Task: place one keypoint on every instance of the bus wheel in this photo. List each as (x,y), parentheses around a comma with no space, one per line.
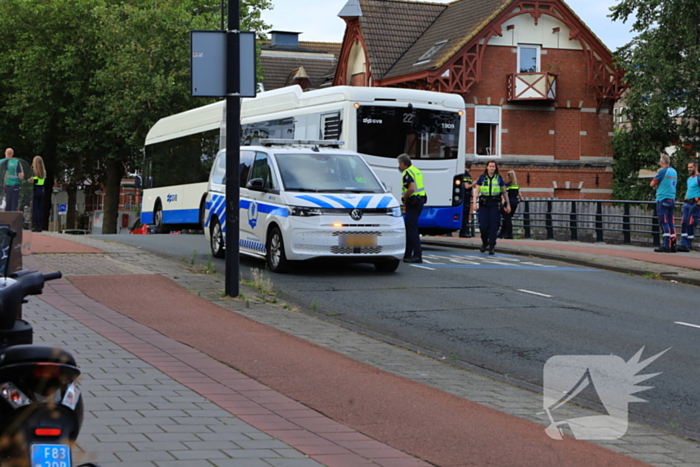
(217,239)
(388,265)
(276,259)
(158,218)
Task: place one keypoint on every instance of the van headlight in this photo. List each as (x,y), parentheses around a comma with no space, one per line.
(302,211)
(394,212)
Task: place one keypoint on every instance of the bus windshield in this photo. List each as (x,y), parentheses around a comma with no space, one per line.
(327,173)
(420,133)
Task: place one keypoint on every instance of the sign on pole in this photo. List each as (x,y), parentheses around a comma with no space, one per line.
(209,61)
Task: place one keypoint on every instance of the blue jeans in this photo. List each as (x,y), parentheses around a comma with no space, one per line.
(664,209)
(690,220)
(489,221)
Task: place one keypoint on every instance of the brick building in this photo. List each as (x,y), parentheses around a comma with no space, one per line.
(539,86)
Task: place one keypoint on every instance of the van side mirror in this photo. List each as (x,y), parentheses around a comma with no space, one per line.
(256,184)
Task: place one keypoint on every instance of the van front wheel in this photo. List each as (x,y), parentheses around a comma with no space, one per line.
(276,259)
(217,239)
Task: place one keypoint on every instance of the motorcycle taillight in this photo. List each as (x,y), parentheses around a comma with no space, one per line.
(13,395)
(47,432)
(46,371)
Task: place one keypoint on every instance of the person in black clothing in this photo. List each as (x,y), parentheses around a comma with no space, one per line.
(39,180)
(514,199)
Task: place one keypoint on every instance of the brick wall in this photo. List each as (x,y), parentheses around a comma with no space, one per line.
(566,133)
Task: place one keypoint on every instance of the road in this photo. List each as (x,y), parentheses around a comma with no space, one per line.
(504,314)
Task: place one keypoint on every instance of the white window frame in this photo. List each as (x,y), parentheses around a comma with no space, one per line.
(529,46)
(487,116)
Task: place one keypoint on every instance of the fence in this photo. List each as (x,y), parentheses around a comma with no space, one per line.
(615,222)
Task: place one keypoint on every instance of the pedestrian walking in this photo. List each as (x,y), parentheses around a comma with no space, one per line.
(665,185)
(513,191)
(691,208)
(413,196)
(13,179)
(39,180)
(490,192)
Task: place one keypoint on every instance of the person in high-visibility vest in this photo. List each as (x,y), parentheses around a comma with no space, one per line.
(413,197)
(490,191)
(39,180)
(514,198)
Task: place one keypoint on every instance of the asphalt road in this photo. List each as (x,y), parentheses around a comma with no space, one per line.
(505,314)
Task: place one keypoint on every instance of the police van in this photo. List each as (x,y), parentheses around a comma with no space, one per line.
(300,200)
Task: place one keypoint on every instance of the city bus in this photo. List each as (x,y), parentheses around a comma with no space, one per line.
(380,123)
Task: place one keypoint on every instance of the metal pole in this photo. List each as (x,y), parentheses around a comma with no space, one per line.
(573,222)
(626,231)
(599,223)
(548,221)
(233,132)
(526,219)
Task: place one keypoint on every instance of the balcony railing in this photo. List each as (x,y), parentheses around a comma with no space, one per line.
(532,87)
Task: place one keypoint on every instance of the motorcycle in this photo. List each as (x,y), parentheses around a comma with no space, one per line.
(41,406)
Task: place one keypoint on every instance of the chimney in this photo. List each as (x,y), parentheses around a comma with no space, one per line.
(286,39)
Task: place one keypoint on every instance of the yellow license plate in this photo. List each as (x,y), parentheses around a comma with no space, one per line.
(358,241)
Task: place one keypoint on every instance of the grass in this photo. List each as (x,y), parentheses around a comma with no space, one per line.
(262,281)
(314,306)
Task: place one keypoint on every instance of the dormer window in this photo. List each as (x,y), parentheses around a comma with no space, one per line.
(528,59)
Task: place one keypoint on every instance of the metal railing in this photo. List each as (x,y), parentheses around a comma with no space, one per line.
(603,221)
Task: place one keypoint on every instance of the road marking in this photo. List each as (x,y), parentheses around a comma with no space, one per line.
(480,261)
(422,267)
(687,324)
(535,293)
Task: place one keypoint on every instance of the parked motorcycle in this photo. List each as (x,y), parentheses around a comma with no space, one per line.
(41,407)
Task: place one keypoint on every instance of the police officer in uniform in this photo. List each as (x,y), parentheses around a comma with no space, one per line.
(413,197)
(467,183)
(490,191)
(39,179)
(514,197)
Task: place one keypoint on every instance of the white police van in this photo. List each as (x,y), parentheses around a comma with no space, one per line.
(303,201)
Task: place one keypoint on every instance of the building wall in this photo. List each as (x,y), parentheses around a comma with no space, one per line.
(547,143)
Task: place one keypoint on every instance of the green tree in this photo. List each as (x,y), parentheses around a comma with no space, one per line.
(84,80)
(663,99)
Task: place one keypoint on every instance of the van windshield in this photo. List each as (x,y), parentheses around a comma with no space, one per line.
(327,173)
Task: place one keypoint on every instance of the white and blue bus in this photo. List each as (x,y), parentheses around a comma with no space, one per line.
(380,123)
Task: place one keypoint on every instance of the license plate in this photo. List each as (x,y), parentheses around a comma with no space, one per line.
(358,241)
(51,455)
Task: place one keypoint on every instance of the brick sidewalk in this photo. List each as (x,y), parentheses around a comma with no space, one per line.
(641,442)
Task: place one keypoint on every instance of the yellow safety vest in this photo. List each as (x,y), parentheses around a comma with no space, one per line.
(418,180)
(39,181)
(491,186)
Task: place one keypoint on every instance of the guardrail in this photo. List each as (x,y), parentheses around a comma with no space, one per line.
(603,221)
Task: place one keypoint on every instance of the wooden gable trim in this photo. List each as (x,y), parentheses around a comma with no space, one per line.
(464,69)
(353,34)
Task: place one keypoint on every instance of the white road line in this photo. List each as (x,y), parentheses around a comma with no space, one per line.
(422,267)
(535,293)
(687,324)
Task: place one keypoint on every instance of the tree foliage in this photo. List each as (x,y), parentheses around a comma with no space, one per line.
(662,103)
(82,81)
